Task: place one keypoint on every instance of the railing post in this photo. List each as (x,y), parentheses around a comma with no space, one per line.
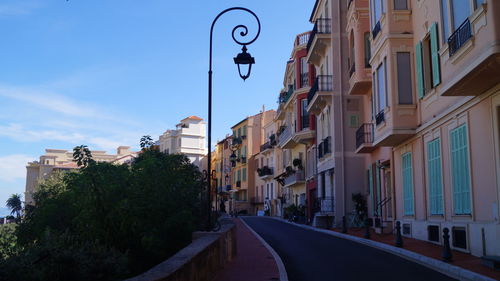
(447,256)
(399,238)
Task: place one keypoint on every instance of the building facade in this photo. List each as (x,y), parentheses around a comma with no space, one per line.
(60,160)
(189,138)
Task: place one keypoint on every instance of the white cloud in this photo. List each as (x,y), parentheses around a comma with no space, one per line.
(18,8)
(13,167)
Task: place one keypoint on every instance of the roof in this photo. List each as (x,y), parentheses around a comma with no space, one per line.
(192,117)
(239,123)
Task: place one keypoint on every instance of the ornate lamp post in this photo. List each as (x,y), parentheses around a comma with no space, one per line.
(242,59)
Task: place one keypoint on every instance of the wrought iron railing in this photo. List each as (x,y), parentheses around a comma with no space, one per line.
(364,134)
(458,38)
(305,121)
(285,134)
(237,140)
(322,26)
(238,183)
(284,98)
(302,39)
(380,117)
(265,146)
(265,171)
(327,146)
(327,205)
(323,83)
(352,69)
(297,176)
(376,30)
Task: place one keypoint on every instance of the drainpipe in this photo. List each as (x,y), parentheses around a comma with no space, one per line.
(341,91)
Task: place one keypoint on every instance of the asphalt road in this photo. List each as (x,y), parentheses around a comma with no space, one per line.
(314,256)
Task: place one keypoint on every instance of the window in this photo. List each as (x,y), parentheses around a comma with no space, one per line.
(368,51)
(244,174)
(404,78)
(380,99)
(435,182)
(409,209)
(304,72)
(460,11)
(239,175)
(427,62)
(400,5)
(376,9)
(272,191)
(460,170)
(445,20)
(305,114)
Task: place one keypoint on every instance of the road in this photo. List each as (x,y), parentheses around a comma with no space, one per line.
(314,256)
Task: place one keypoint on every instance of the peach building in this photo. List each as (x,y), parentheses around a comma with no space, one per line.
(62,160)
(430,131)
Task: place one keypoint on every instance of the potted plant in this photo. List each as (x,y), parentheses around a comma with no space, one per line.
(297,162)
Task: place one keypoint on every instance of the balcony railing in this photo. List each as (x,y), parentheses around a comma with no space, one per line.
(322,26)
(324,147)
(305,121)
(459,37)
(243,159)
(265,171)
(323,83)
(238,183)
(237,140)
(286,96)
(376,30)
(265,146)
(379,118)
(302,39)
(327,205)
(297,176)
(304,79)
(285,134)
(364,134)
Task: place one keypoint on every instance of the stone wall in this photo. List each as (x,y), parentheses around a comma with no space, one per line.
(200,260)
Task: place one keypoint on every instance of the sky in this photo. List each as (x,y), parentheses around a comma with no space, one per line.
(105,72)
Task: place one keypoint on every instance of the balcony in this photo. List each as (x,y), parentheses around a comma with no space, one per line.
(284,97)
(302,39)
(379,118)
(266,146)
(294,178)
(243,160)
(327,205)
(324,148)
(320,93)
(265,172)
(364,138)
(238,184)
(459,37)
(285,139)
(319,40)
(237,140)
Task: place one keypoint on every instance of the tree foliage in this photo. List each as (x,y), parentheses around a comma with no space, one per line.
(15,205)
(108,221)
(82,156)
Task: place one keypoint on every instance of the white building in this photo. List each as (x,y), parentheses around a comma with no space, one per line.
(188,138)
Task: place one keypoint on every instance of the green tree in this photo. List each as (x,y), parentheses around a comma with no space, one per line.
(15,205)
(146,142)
(82,156)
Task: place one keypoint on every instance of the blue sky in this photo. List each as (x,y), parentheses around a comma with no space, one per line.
(104,73)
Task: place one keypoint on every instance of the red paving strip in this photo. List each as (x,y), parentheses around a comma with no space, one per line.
(253,261)
(431,250)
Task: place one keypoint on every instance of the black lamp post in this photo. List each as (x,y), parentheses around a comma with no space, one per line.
(243,58)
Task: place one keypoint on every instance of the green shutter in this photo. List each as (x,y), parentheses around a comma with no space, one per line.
(239,175)
(244,130)
(244,151)
(244,174)
(419,72)
(435,177)
(379,197)
(370,184)
(408,185)
(239,132)
(234,134)
(460,171)
(436,73)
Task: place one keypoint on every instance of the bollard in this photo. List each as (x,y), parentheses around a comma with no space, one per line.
(344,225)
(367,228)
(399,238)
(447,256)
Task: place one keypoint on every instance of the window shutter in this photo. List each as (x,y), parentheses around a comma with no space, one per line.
(379,198)
(408,184)
(239,175)
(435,177)
(370,184)
(436,72)
(244,174)
(419,71)
(460,171)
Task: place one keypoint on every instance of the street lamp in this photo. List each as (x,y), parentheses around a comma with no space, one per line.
(242,58)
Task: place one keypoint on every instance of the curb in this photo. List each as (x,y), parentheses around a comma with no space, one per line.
(277,259)
(440,266)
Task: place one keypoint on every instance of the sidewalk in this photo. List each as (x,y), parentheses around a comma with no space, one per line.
(253,261)
(428,249)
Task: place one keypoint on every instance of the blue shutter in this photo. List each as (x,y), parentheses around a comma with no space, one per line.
(435,182)
(436,72)
(408,185)
(377,170)
(460,171)
(370,184)
(419,70)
